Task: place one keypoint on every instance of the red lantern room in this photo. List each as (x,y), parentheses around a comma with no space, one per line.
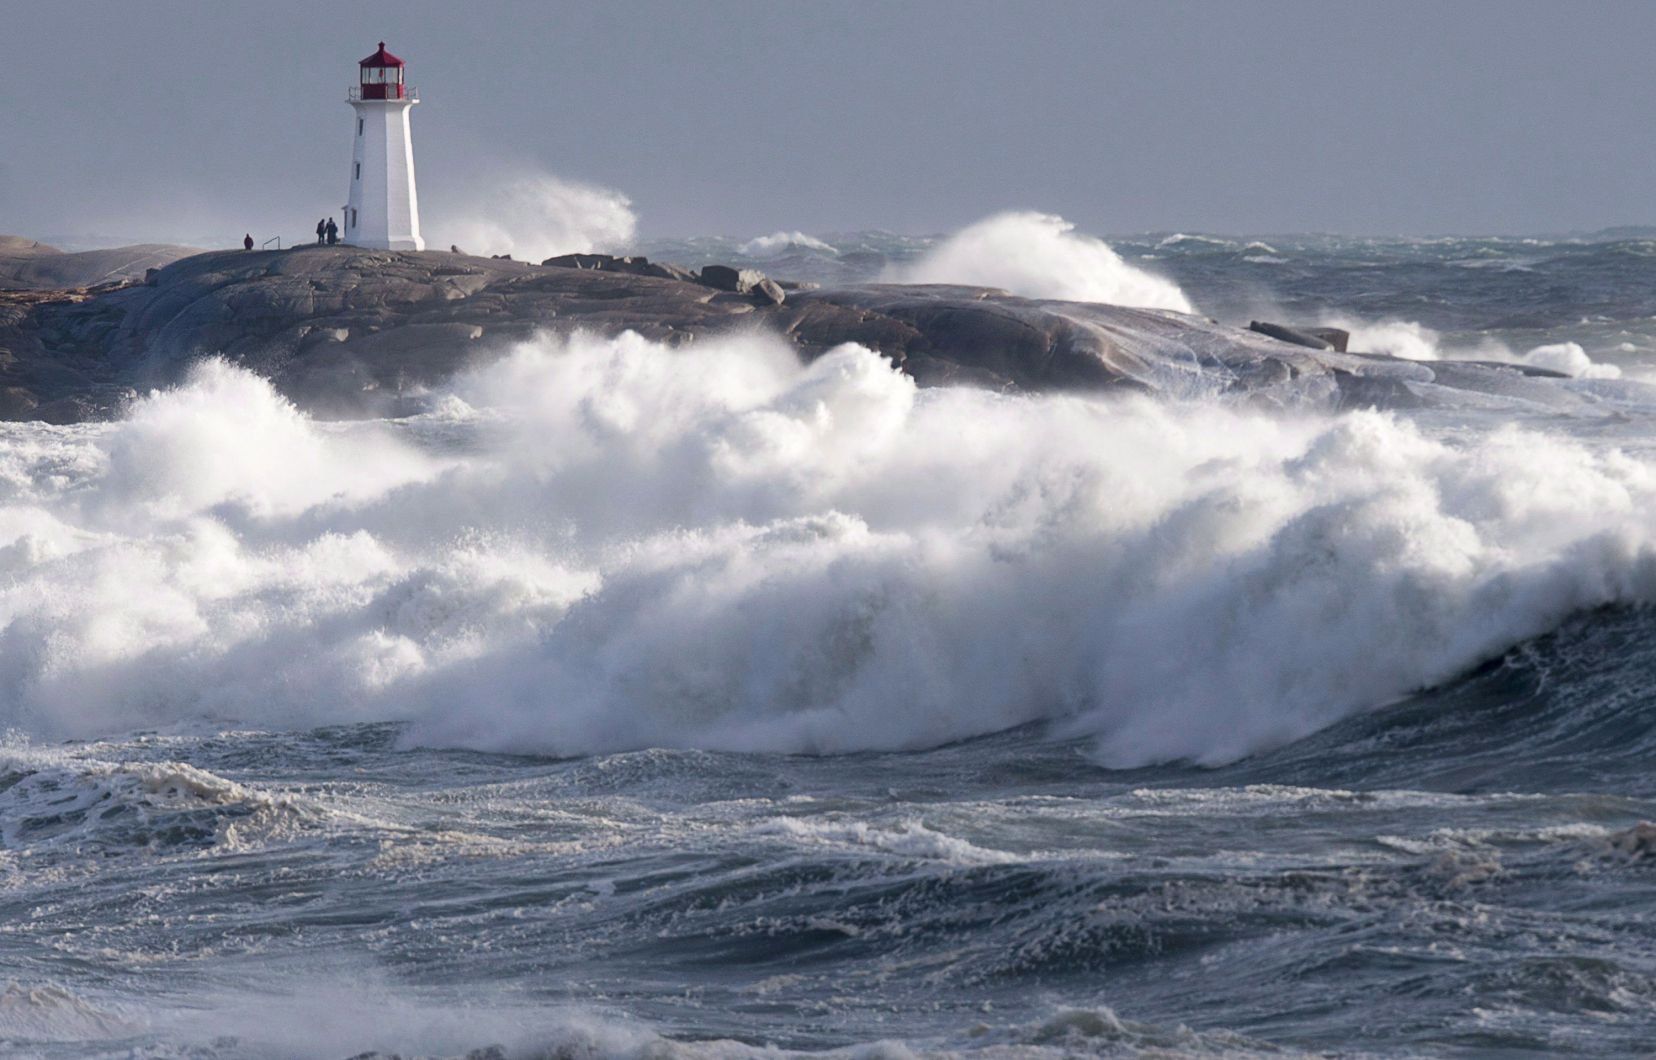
(381,75)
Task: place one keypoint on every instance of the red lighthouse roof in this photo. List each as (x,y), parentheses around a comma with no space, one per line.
(381,58)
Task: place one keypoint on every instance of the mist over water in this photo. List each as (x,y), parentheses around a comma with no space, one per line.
(533,216)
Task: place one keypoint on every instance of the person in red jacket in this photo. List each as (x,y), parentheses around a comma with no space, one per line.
(247,241)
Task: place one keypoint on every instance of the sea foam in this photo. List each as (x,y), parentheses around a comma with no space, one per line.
(602,544)
(1413,341)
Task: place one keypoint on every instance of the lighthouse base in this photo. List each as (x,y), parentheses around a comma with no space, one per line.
(386,244)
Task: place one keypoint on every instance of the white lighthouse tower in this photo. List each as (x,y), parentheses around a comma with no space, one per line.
(383,211)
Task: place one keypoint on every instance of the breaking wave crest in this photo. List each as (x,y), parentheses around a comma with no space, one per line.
(49,799)
(780,242)
(1041,256)
(1413,341)
(602,544)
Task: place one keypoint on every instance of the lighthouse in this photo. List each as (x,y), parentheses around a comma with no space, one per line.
(382,211)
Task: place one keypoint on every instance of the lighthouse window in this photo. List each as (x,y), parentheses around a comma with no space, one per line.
(359,126)
(358,171)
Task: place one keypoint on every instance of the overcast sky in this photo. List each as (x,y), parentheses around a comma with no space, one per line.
(161,117)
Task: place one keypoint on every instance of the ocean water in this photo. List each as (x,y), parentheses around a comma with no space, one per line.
(633,701)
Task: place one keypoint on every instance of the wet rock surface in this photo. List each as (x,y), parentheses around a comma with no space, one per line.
(344,331)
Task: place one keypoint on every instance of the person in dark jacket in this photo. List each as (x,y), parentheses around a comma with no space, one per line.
(333,232)
(247,241)
(321,231)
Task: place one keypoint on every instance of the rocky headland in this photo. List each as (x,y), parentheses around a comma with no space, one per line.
(344,331)
(29,265)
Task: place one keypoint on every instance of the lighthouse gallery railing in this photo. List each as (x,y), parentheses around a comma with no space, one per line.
(410,95)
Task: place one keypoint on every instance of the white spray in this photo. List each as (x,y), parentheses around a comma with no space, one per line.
(534,216)
(602,544)
(1039,255)
(1413,341)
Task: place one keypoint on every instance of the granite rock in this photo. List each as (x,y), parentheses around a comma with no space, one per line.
(344,331)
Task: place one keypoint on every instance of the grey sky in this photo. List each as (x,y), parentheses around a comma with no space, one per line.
(153,117)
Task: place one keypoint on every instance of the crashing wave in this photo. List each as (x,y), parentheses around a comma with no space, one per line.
(605,544)
(781,242)
(1041,256)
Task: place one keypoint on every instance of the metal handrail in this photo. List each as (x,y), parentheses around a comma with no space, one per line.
(410,95)
(273,239)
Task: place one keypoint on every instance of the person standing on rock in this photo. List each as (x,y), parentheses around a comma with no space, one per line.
(321,231)
(333,232)
(247,241)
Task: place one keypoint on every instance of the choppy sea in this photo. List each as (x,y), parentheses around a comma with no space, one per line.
(628,701)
